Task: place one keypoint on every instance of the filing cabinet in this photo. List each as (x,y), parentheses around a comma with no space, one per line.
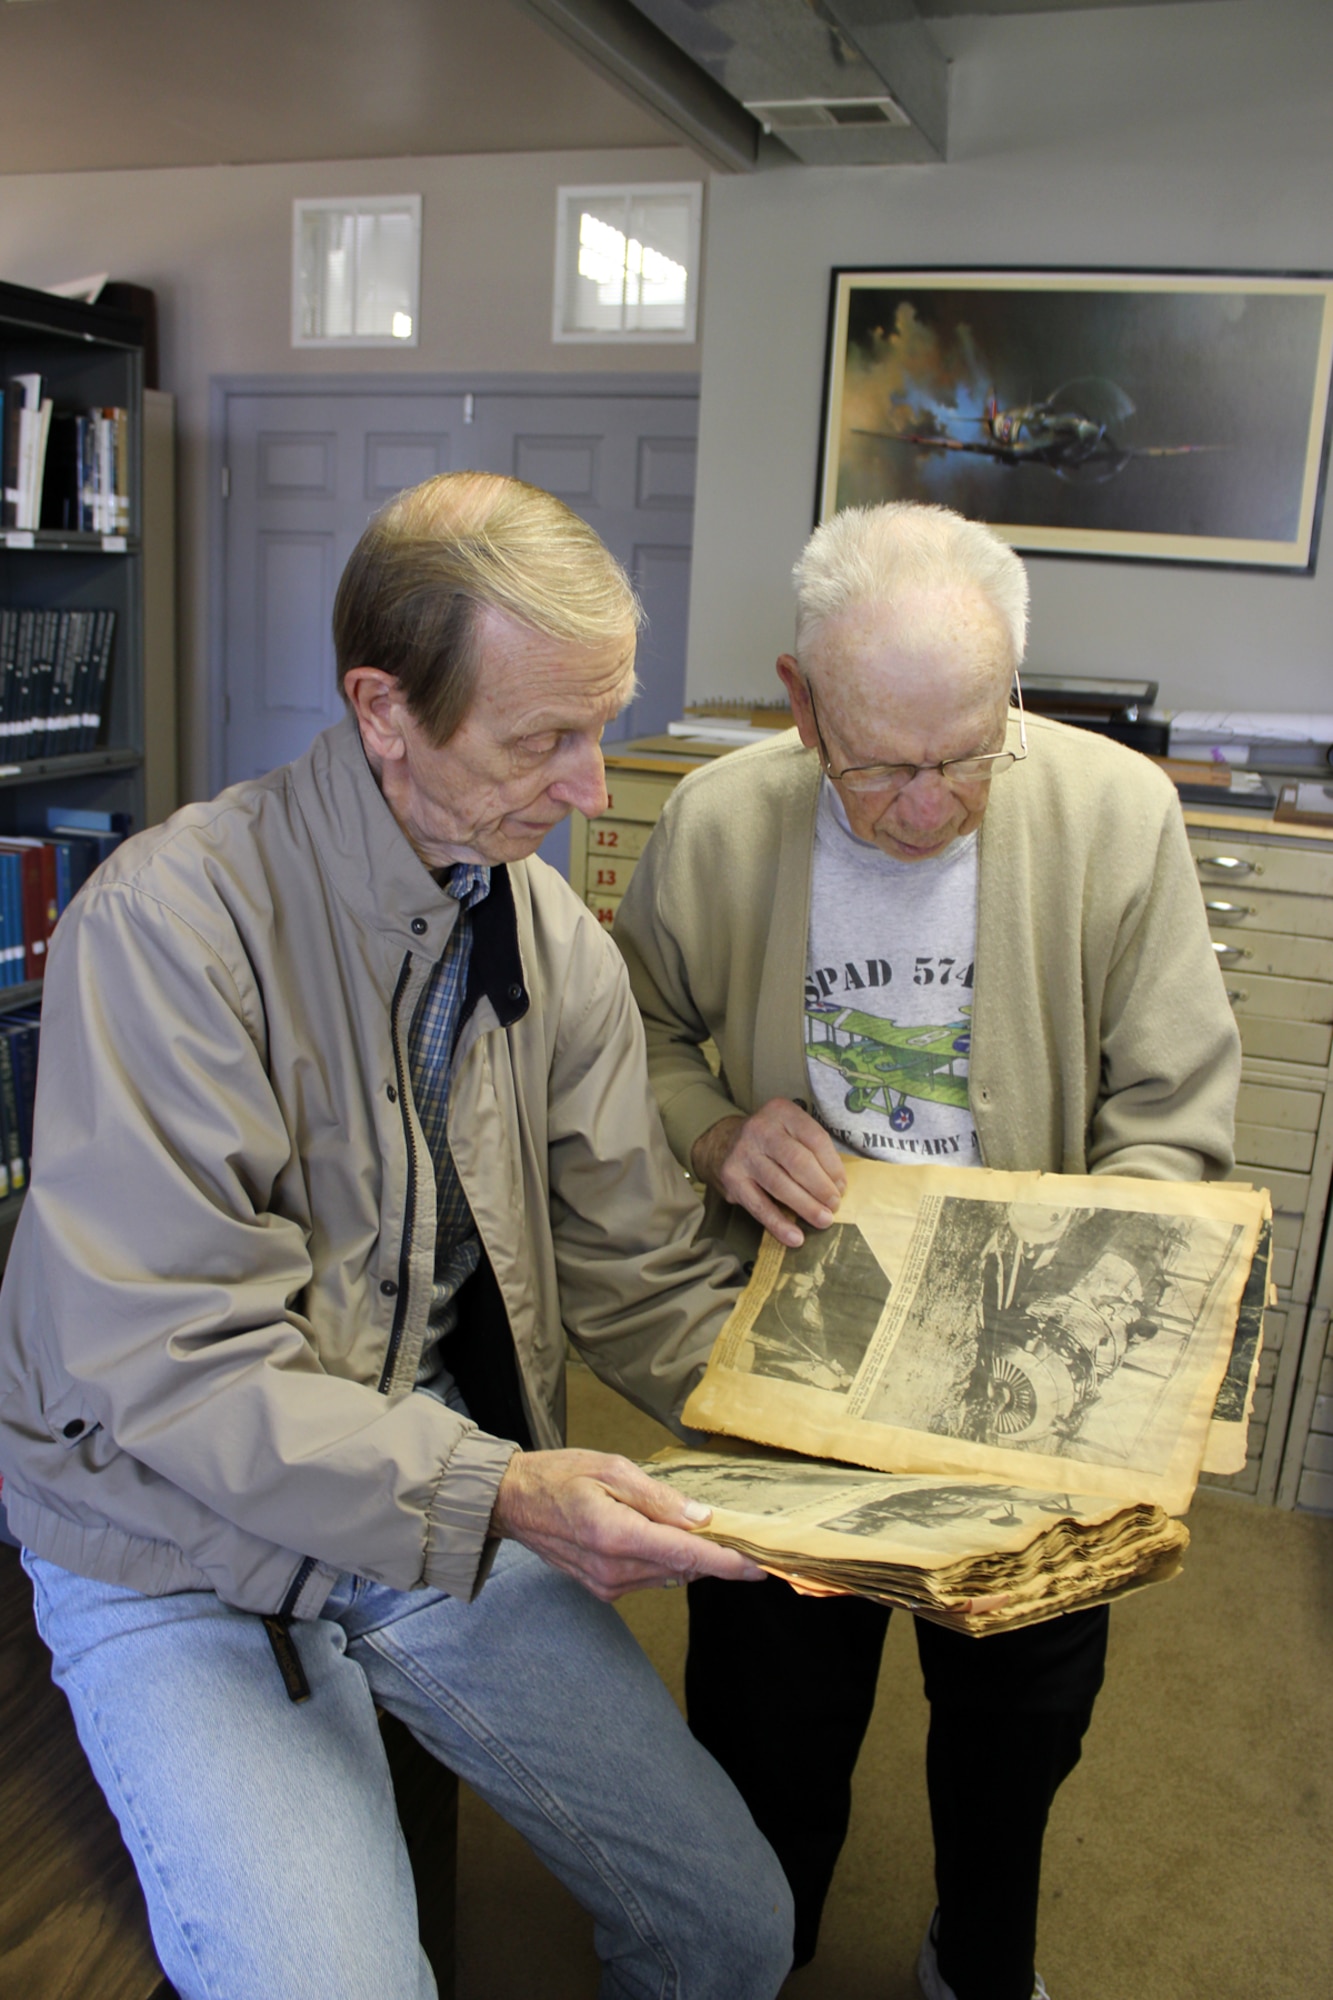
(1268,892)
(639,780)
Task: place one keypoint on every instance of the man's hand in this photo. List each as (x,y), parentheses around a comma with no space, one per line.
(607,1524)
(778,1163)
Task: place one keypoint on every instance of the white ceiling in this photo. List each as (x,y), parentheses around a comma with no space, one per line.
(89,84)
(167,83)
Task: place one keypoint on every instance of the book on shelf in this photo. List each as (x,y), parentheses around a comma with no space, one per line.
(19,1037)
(104,458)
(83,838)
(27,423)
(13,1176)
(12,953)
(64,470)
(40,874)
(55,671)
(984,1396)
(39,906)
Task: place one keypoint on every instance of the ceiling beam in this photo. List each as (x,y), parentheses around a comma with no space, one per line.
(891,36)
(624,47)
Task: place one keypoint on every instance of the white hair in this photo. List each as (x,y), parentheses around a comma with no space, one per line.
(877,555)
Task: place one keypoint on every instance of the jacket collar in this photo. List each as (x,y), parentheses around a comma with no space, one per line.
(363,852)
(377,873)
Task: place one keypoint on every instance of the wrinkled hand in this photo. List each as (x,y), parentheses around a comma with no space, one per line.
(778,1163)
(607,1524)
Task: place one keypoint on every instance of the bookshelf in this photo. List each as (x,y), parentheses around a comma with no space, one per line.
(92,358)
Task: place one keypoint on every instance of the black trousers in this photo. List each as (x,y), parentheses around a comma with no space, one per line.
(780,1689)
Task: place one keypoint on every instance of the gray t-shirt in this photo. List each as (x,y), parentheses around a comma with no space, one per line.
(888,995)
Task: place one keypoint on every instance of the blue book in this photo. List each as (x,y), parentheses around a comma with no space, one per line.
(87,851)
(84,819)
(11,919)
(64,853)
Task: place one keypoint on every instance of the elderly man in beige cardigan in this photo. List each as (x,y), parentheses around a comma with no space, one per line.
(1023,893)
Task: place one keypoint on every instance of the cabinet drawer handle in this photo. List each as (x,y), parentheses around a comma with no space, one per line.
(1229,913)
(1230,864)
(1227,954)
(1236,995)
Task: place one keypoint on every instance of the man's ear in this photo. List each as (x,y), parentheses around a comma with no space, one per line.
(376,700)
(789,673)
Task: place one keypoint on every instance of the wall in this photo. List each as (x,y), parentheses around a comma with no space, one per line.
(1186,137)
(215,245)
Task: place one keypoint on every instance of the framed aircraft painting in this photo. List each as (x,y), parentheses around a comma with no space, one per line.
(1159,416)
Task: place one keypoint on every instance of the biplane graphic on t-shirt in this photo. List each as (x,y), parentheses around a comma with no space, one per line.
(884,1065)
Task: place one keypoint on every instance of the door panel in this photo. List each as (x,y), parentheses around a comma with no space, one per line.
(666,473)
(626,463)
(306,473)
(297,468)
(662,578)
(308,465)
(295,646)
(395,460)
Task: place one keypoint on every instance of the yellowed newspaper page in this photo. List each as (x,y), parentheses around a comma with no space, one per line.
(1042,1330)
(969,1551)
(1225,1448)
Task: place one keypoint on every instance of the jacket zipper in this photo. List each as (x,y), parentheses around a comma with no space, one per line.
(405,1253)
(279,1636)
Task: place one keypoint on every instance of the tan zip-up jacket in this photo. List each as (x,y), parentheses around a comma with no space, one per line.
(219,1287)
(1102,1041)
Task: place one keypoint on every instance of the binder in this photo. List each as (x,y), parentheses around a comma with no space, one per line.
(11,920)
(12,1176)
(39,904)
(23,1030)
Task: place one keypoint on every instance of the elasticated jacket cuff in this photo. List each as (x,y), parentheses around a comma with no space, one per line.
(459,1545)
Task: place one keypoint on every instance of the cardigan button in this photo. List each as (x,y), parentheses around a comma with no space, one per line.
(388,1288)
(74,1428)
(419,927)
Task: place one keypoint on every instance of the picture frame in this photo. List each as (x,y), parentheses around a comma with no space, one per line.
(1178,417)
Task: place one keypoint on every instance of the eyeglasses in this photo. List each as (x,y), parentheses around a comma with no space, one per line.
(890,779)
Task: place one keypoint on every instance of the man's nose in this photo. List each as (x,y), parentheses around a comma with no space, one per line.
(583,782)
(926,799)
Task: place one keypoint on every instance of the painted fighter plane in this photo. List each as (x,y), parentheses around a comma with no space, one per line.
(883,1065)
(1069,432)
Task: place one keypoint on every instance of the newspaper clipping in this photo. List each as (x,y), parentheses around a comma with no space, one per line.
(970,1553)
(1041,1331)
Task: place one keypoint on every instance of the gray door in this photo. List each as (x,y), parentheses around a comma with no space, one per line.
(308,465)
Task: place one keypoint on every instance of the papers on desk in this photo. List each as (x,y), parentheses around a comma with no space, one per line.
(1252,725)
(706,731)
(1254,736)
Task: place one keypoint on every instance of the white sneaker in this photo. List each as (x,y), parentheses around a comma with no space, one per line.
(928,1976)
(930,1980)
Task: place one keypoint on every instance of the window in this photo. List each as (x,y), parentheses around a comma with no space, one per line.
(627,262)
(356,271)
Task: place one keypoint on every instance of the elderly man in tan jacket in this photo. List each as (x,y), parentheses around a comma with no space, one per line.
(1020,896)
(343,1127)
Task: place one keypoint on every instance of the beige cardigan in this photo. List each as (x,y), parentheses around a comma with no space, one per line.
(1102,1040)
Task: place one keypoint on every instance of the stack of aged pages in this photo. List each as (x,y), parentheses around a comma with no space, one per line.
(991,1394)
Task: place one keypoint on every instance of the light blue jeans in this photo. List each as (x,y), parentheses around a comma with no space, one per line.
(265,1835)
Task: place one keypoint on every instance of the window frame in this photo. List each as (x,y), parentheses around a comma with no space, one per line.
(627,191)
(355,205)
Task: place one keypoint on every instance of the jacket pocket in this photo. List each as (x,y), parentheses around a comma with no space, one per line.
(69,1419)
